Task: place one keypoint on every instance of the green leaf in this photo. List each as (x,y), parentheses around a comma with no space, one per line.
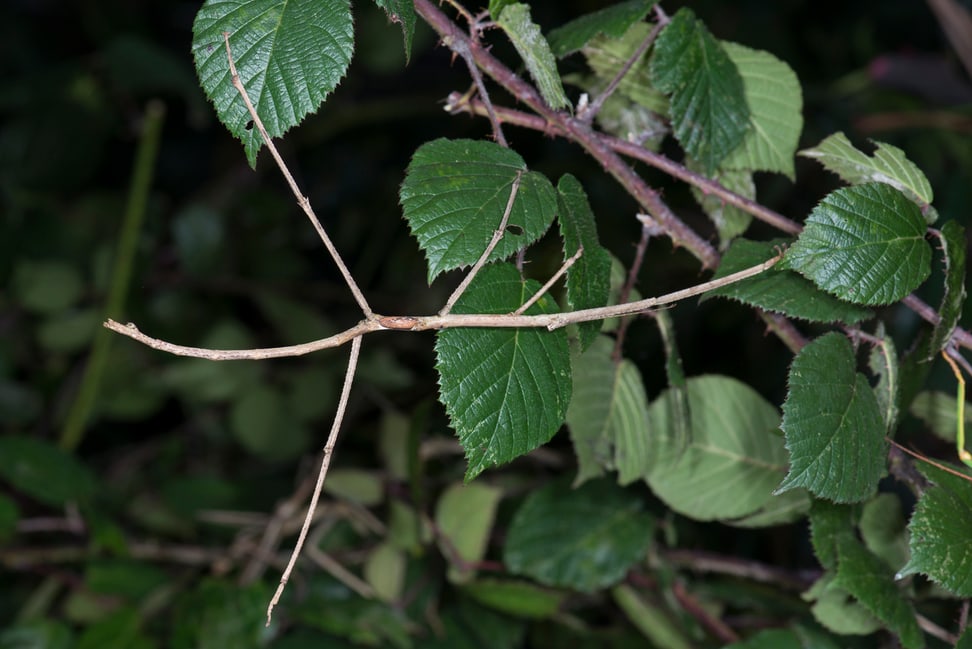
(384,570)
(952,238)
(464,516)
(505,390)
(44,472)
(883,362)
(585,539)
(608,415)
(770,639)
(776,112)
(496,7)
(46,286)
(730,221)
(263,425)
(37,634)
(941,532)
(359,486)
(9,515)
(829,522)
(120,629)
(938,410)
(708,103)
(650,619)
(516,598)
(403,13)
(606,56)
(734,457)
(780,290)
(778,510)
(837,610)
(834,429)
(868,579)
(589,279)
(612,21)
(888,165)
(290,55)
(865,244)
(454,196)
(883,529)
(526,37)
(677,394)
(219,614)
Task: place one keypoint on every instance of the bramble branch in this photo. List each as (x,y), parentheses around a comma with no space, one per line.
(375,322)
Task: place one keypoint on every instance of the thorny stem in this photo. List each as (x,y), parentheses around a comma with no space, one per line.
(497,235)
(301,199)
(550,321)
(325,464)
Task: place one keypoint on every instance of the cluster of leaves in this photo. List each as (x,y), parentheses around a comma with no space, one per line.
(709,448)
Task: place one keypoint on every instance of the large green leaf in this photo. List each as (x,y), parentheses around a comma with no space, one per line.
(734,457)
(41,470)
(834,428)
(868,579)
(941,532)
(708,103)
(585,539)
(953,245)
(403,13)
(775,104)
(608,415)
(526,37)
(516,598)
(779,290)
(865,244)
(455,194)
(290,55)
(506,390)
(589,279)
(612,21)
(888,165)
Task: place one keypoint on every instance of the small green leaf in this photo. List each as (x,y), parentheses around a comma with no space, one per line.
(734,457)
(677,393)
(780,509)
(589,279)
(70,330)
(868,579)
(585,539)
(219,614)
(776,112)
(516,598)
(612,21)
(829,522)
(608,415)
(834,429)
(526,37)
(9,515)
(652,620)
(883,362)
(837,610)
(44,472)
(883,529)
(708,102)
(779,290)
(384,570)
(730,221)
(865,244)
(37,634)
(938,410)
(263,425)
(454,196)
(607,55)
(505,390)
(359,486)
(46,286)
(770,639)
(403,13)
(290,55)
(888,165)
(952,238)
(464,516)
(941,532)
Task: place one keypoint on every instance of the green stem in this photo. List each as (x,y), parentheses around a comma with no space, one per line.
(138,191)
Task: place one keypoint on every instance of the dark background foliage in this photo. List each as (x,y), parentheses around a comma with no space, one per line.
(225,259)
